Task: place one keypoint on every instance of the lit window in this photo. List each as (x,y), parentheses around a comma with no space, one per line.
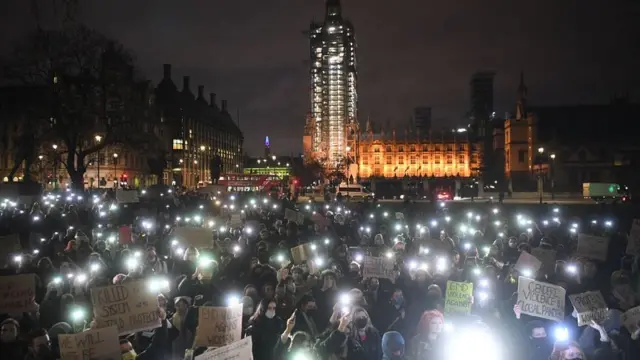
(178,144)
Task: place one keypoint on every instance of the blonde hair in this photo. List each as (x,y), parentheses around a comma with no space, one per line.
(560,347)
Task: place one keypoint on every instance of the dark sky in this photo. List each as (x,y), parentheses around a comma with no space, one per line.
(411,52)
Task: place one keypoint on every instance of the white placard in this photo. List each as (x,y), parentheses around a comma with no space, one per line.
(378,267)
(241,350)
(589,305)
(540,299)
(592,247)
(527,263)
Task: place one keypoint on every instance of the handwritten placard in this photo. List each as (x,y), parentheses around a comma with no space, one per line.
(17,293)
(241,350)
(593,247)
(633,239)
(378,267)
(539,299)
(132,307)
(589,305)
(631,318)
(301,253)
(219,326)
(95,344)
(527,263)
(458,297)
(198,237)
(547,258)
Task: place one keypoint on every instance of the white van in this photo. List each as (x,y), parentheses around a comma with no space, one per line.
(354,192)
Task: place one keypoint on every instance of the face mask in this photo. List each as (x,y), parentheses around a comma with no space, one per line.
(361,323)
(270,314)
(129,355)
(398,301)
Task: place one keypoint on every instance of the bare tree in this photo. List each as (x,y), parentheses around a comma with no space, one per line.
(92,92)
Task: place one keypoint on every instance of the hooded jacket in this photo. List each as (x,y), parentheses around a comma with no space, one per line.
(392,346)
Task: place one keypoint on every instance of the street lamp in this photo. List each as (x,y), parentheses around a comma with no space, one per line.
(553,177)
(98,139)
(40,157)
(115,175)
(540,181)
(273,158)
(55,166)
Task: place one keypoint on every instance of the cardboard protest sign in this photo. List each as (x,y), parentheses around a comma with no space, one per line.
(593,247)
(8,245)
(219,326)
(378,267)
(127,196)
(539,299)
(630,319)
(633,239)
(527,263)
(95,344)
(17,293)
(546,257)
(589,305)
(238,350)
(320,220)
(132,307)
(301,253)
(294,216)
(458,297)
(399,216)
(235,221)
(194,236)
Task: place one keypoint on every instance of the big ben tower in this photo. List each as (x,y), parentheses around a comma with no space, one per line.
(334,98)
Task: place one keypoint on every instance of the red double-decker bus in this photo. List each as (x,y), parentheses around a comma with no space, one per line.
(251,182)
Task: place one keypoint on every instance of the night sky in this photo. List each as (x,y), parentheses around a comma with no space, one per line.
(411,53)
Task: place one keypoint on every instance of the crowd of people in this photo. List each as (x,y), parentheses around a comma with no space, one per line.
(324,281)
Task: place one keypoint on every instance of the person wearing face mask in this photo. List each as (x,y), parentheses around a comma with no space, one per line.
(188,264)
(182,331)
(155,350)
(363,337)
(264,328)
(284,300)
(326,296)
(305,312)
(539,345)
(247,310)
(10,346)
(393,346)
(424,345)
(153,264)
(40,346)
(605,340)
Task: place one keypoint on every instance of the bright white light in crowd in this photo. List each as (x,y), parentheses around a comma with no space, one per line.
(442,204)
(496,223)
(572,230)
(574,225)
(275,206)
(519,216)
(367,229)
(143,192)
(441,264)
(358,257)
(157,285)
(77,315)
(424,266)
(179,251)
(371,216)
(483,295)
(474,344)
(96,200)
(187,219)
(36,252)
(211,224)
(463,228)
(69,275)
(495,210)
(557,220)
(385,214)
(424,250)
(447,218)
(608,223)
(307,207)
(146,225)
(413,265)
(522,222)
(561,334)
(448,327)
(236,248)
(477,271)
(102,214)
(556,210)
(423,230)
(132,263)
(111,239)
(471,231)
(113,207)
(338,209)
(467,246)
(233,300)
(223,229)
(529,230)
(594,222)
(469,215)
(248,230)
(81,278)
(398,227)
(174,242)
(57,280)
(572,269)
(345,299)
(232,198)
(434,223)
(545,222)
(137,254)
(95,267)
(36,218)
(327,241)
(389,254)
(319,261)
(484,282)
(526,272)
(314,247)
(477,217)
(17,258)
(197,218)
(43,239)
(280,258)
(265,201)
